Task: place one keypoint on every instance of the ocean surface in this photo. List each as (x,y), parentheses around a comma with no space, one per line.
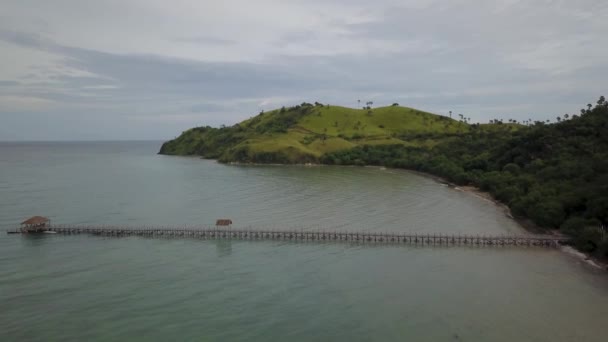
(86,288)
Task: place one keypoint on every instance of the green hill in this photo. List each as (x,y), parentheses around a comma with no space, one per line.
(552,175)
(304,133)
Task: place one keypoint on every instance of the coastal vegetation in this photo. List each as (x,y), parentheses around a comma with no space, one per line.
(551,175)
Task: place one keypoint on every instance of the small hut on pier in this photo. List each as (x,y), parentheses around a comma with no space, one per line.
(223,223)
(35,224)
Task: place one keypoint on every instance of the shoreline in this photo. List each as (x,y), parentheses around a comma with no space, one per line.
(526,224)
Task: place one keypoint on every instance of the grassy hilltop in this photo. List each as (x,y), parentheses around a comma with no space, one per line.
(306,132)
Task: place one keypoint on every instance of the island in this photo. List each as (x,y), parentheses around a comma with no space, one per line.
(553,175)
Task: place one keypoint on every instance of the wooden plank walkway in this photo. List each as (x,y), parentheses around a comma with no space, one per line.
(212,233)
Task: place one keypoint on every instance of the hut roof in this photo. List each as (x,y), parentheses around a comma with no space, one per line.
(36,220)
(223,222)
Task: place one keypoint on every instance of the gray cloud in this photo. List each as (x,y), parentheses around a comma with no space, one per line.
(4,83)
(510,59)
(205,40)
(207,108)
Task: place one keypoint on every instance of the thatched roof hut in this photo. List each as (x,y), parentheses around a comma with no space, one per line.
(223,222)
(36,224)
(36,220)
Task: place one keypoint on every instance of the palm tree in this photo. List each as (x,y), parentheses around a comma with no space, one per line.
(559,119)
(566,116)
(450,114)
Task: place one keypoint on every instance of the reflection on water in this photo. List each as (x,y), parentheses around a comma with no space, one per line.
(34,240)
(223,248)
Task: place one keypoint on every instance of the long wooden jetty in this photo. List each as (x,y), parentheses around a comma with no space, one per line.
(214,233)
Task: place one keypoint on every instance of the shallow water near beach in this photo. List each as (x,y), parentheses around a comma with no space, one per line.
(76,288)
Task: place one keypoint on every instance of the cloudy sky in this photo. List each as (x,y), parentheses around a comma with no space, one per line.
(149,69)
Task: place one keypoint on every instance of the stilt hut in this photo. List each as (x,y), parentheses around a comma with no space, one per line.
(223,223)
(35,224)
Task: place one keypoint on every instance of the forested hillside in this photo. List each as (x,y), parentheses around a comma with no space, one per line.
(555,175)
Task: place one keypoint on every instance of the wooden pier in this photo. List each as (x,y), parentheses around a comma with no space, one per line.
(214,233)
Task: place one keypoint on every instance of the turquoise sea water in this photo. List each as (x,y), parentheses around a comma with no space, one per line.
(77,288)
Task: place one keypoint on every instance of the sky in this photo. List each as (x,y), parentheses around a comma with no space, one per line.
(150,69)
